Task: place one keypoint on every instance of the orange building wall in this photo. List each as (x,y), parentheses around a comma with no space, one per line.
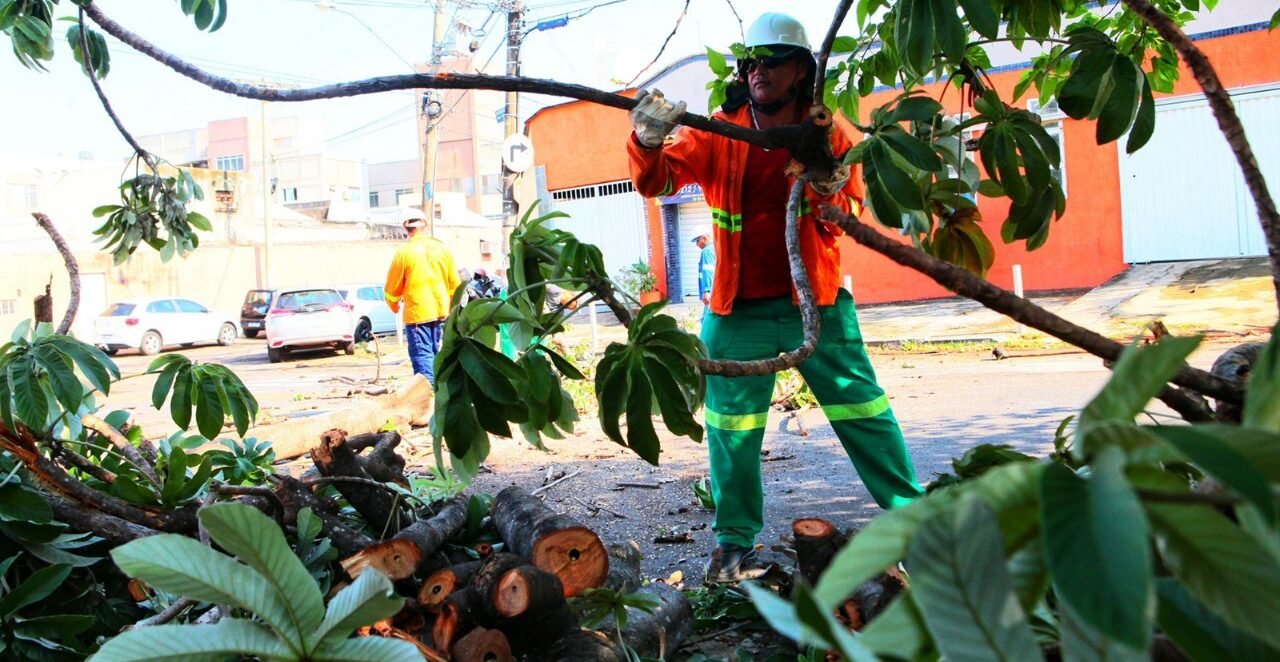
(582,143)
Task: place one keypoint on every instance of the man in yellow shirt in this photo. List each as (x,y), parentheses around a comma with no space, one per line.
(422,278)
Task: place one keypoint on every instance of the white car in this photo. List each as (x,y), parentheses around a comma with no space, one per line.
(308,318)
(371,312)
(149,325)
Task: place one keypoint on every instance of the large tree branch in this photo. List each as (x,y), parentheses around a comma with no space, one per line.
(1228,121)
(102,96)
(1019,309)
(73,271)
(821,74)
(446,81)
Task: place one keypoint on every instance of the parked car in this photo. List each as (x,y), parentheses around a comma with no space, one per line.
(152,324)
(253,314)
(371,312)
(308,318)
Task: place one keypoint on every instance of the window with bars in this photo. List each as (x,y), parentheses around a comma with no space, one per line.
(235,162)
(596,190)
(8,306)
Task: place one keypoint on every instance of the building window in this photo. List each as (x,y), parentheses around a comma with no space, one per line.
(24,195)
(491,184)
(1059,173)
(229,163)
(8,306)
(373,199)
(402,195)
(468,186)
(291,194)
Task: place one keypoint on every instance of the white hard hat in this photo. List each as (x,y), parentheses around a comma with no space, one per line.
(776,28)
(700,232)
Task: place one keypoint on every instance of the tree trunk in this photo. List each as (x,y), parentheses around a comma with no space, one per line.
(817,542)
(405,552)
(378,507)
(439,585)
(585,646)
(624,567)
(533,635)
(660,633)
(483,645)
(554,542)
(73,273)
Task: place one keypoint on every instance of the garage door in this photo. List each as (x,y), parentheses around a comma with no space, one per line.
(691,216)
(610,216)
(1182,195)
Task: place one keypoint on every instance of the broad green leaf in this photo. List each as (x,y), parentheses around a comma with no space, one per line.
(62,377)
(1082,643)
(1220,459)
(717,62)
(641,436)
(912,149)
(1029,575)
(491,381)
(1144,123)
(949,29)
(914,34)
(180,400)
(982,16)
(52,627)
(900,632)
(30,403)
(370,649)
(1080,92)
(256,540)
(369,599)
(1202,634)
(33,589)
(230,638)
(209,413)
(919,108)
(1219,563)
(19,504)
(1136,378)
(959,578)
(900,186)
(1262,399)
(1122,102)
(1095,537)
(164,382)
(94,365)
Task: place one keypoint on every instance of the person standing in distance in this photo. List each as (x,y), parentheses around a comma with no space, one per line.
(706,264)
(753,311)
(422,280)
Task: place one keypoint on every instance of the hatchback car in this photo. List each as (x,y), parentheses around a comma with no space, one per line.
(371,312)
(253,314)
(150,325)
(309,318)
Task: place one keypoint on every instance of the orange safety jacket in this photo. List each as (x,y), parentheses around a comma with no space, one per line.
(717,164)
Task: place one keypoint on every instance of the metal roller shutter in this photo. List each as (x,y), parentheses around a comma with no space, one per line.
(692,215)
(611,216)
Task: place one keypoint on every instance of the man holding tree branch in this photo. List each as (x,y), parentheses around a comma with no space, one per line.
(753,312)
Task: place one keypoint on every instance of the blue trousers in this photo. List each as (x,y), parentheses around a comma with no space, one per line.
(424,341)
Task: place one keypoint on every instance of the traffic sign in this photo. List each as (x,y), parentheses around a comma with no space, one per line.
(517,153)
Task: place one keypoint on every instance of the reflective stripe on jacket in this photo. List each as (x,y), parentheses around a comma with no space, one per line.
(423,276)
(716,163)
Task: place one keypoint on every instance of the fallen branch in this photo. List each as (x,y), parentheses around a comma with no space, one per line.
(544,488)
(334,458)
(171,612)
(404,553)
(73,271)
(122,444)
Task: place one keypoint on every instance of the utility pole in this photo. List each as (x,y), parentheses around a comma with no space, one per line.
(266,203)
(428,118)
(512,117)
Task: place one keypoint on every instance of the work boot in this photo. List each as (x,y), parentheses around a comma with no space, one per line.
(732,563)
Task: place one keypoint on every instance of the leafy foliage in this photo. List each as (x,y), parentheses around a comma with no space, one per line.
(29,25)
(268,581)
(639,278)
(211,390)
(246,462)
(153,209)
(38,379)
(208,14)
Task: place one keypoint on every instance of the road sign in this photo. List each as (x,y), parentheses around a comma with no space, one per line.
(517,153)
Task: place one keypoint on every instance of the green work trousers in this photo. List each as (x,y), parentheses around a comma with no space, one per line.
(841,377)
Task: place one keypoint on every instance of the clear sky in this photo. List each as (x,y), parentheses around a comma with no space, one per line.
(293,41)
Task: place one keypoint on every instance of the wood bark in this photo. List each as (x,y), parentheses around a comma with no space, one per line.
(295,496)
(460,613)
(73,272)
(526,591)
(402,555)
(121,444)
(296,437)
(483,645)
(532,635)
(554,542)
(114,530)
(817,542)
(439,585)
(44,305)
(585,646)
(378,507)
(659,633)
(624,567)
(381,461)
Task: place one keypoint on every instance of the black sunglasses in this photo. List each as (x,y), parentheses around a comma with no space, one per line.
(771,61)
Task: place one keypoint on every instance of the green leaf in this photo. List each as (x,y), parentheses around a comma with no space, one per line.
(298,607)
(641,436)
(209,413)
(949,29)
(369,599)
(1144,124)
(1218,458)
(1078,95)
(62,377)
(230,638)
(93,364)
(1095,538)
(19,504)
(900,186)
(718,64)
(35,588)
(959,577)
(844,45)
(52,627)
(820,625)
(1122,102)
(1262,398)
(900,632)
(30,403)
(1136,378)
(1202,634)
(914,34)
(371,649)
(918,108)
(491,381)
(982,16)
(1219,564)
(1082,642)
(912,149)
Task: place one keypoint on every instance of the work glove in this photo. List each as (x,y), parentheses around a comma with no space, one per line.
(654,118)
(832,185)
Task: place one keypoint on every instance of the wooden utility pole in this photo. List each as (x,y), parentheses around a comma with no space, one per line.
(512,118)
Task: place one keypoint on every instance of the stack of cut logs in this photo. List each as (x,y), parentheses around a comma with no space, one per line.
(507,605)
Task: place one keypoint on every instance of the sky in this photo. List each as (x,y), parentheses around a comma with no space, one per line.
(295,42)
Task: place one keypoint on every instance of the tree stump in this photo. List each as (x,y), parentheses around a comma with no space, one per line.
(554,542)
(817,542)
(526,590)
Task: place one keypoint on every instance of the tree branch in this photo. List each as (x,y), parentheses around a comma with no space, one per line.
(102,96)
(443,81)
(122,443)
(819,76)
(684,12)
(1019,309)
(110,528)
(73,271)
(1228,121)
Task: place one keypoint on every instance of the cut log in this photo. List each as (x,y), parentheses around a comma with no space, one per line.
(817,542)
(659,633)
(874,596)
(585,646)
(405,552)
(485,582)
(437,587)
(624,567)
(554,542)
(295,437)
(386,629)
(527,590)
(483,645)
(533,634)
(460,614)
(377,506)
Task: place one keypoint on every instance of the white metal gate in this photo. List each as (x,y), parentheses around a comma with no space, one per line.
(689,217)
(1182,195)
(611,216)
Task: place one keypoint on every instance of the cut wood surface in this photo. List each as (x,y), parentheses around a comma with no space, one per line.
(526,590)
(585,646)
(437,587)
(459,614)
(293,438)
(405,552)
(554,542)
(379,507)
(624,567)
(817,542)
(483,645)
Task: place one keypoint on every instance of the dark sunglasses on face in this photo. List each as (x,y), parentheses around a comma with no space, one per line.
(768,62)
